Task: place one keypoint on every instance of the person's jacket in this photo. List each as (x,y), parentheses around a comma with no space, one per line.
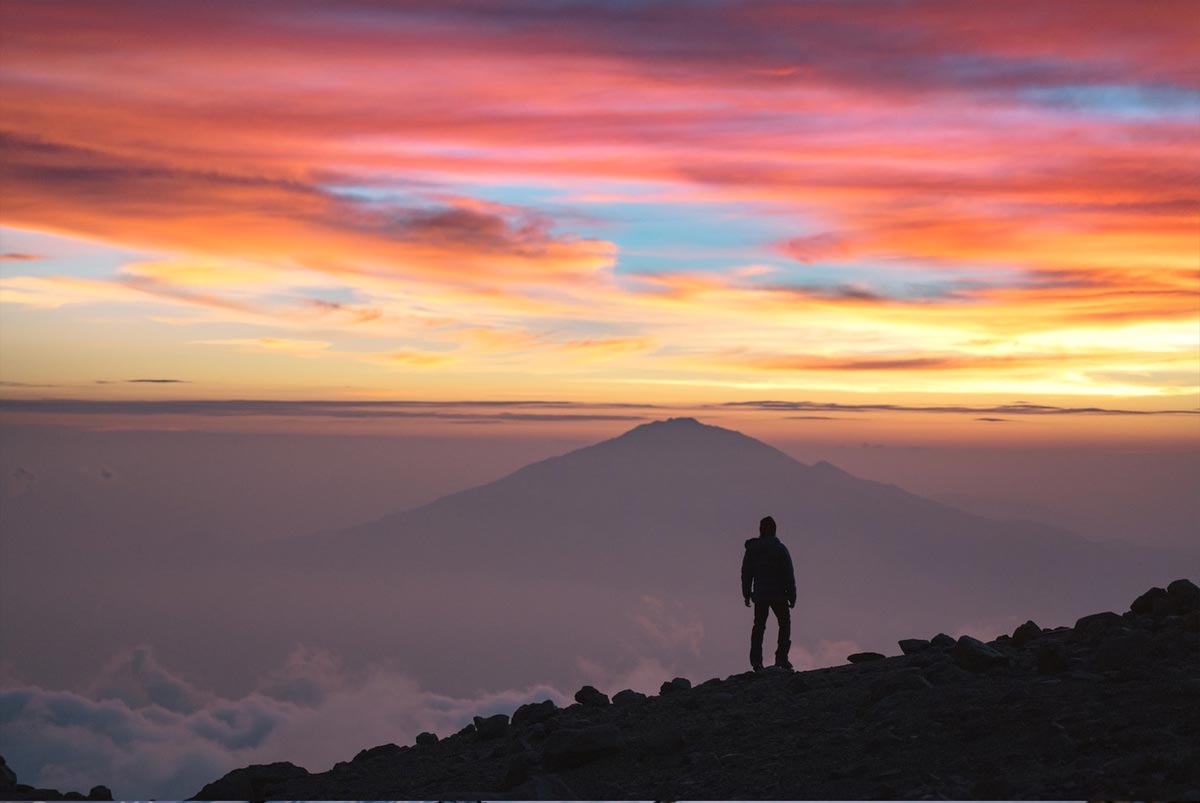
(767,571)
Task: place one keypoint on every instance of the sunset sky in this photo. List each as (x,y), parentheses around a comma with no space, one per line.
(853,203)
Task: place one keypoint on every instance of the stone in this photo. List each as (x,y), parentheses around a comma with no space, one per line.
(864,657)
(388,749)
(1144,605)
(100,793)
(1097,623)
(974,656)
(251,783)
(492,727)
(1162,608)
(1026,633)
(592,697)
(574,747)
(1052,659)
(427,738)
(678,684)
(942,641)
(532,713)
(466,731)
(912,646)
(627,697)
(1184,596)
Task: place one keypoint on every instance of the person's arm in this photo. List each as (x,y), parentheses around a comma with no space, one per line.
(747,577)
(791,579)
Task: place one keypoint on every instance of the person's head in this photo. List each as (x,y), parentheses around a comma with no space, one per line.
(766,527)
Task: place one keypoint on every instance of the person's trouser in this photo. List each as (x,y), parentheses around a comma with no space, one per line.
(783,615)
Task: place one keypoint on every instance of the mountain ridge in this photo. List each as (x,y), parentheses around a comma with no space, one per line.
(1088,711)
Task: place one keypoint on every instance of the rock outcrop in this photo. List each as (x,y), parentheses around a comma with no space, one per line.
(1106,709)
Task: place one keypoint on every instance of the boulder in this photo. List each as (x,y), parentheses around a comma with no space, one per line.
(1097,623)
(911,646)
(627,697)
(388,749)
(1026,633)
(427,738)
(573,747)
(942,641)
(99,793)
(590,696)
(531,713)
(1144,605)
(251,783)
(1184,596)
(492,727)
(678,684)
(864,657)
(974,656)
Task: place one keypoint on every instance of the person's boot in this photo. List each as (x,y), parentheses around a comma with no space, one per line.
(781,655)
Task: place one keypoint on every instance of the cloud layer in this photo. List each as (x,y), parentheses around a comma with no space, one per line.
(143,730)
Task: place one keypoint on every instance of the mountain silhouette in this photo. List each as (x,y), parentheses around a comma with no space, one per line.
(663,509)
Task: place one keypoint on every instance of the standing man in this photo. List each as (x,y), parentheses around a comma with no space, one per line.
(768,579)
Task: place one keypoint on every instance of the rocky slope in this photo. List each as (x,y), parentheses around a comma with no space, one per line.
(1107,709)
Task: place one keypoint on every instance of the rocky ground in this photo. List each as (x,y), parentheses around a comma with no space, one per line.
(1106,709)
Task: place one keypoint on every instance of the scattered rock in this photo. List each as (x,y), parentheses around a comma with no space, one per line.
(1144,605)
(532,713)
(627,697)
(1097,623)
(492,727)
(1025,633)
(591,696)
(975,656)
(942,641)
(388,749)
(573,747)
(864,657)
(678,684)
(912,646)
(427,738)
(1184,596)
(251,783)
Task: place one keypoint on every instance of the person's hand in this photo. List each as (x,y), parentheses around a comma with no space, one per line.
(746,600)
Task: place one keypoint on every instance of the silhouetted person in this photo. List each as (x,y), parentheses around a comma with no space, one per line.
(768,579)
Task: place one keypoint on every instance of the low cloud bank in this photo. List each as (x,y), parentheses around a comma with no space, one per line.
(145,731)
